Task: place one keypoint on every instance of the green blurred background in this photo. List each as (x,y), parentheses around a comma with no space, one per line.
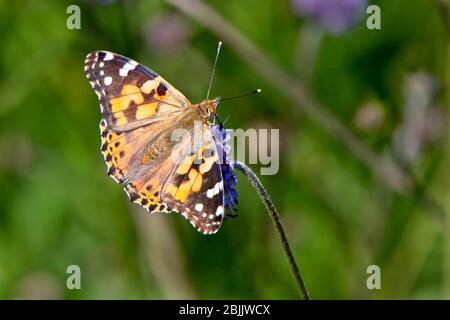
(390,87)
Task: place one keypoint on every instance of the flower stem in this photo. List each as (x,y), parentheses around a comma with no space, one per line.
(277,223)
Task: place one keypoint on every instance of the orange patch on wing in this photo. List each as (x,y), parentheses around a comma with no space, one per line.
(120,119)
(146,110)
(142,184)
(149,193)
(146,158)
(171,189)
(114,150)
(129,89)
(129,93)
(185,187)
(121,154)
(196,186)
(112,136)
(184,167)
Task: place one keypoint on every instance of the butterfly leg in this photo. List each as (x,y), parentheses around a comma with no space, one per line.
(231,215)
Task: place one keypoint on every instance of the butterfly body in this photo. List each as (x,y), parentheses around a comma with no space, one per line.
(141,111)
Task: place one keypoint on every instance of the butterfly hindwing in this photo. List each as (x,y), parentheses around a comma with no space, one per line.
(192,186)
(130,94)
(145,189)
(203,209)
(128,153)
(195,188)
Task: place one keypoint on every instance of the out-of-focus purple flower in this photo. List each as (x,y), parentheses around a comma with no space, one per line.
(227,165)
(38,285)
(102,2)
(335,16)
(166,32)
(419,115)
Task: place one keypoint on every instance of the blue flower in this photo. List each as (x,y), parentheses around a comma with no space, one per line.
(226,166)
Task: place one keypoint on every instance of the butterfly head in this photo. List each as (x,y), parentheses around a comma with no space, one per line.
(207,108)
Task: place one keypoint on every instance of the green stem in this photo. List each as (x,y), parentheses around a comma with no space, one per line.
(277,223)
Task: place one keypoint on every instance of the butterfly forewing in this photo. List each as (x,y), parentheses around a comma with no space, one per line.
(130,94)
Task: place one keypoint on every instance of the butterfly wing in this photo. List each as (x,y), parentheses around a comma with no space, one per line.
(138,107)
(194,187)
(131,95)
(128,153)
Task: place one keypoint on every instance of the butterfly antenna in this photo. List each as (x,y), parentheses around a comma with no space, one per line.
(214,68)
(242,95)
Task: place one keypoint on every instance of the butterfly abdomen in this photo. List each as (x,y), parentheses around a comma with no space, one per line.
(157,148)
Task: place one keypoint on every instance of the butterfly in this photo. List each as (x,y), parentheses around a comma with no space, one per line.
(141,111)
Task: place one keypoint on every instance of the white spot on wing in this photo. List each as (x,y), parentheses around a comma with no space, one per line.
(123,72)
(107,81)
(113,177)
(215,190)
(130,65)
(199,207)
(219,211)
(108,56)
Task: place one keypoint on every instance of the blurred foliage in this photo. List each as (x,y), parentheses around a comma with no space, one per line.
(58,207)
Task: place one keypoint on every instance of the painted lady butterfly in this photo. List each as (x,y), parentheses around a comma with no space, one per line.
(140,112)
